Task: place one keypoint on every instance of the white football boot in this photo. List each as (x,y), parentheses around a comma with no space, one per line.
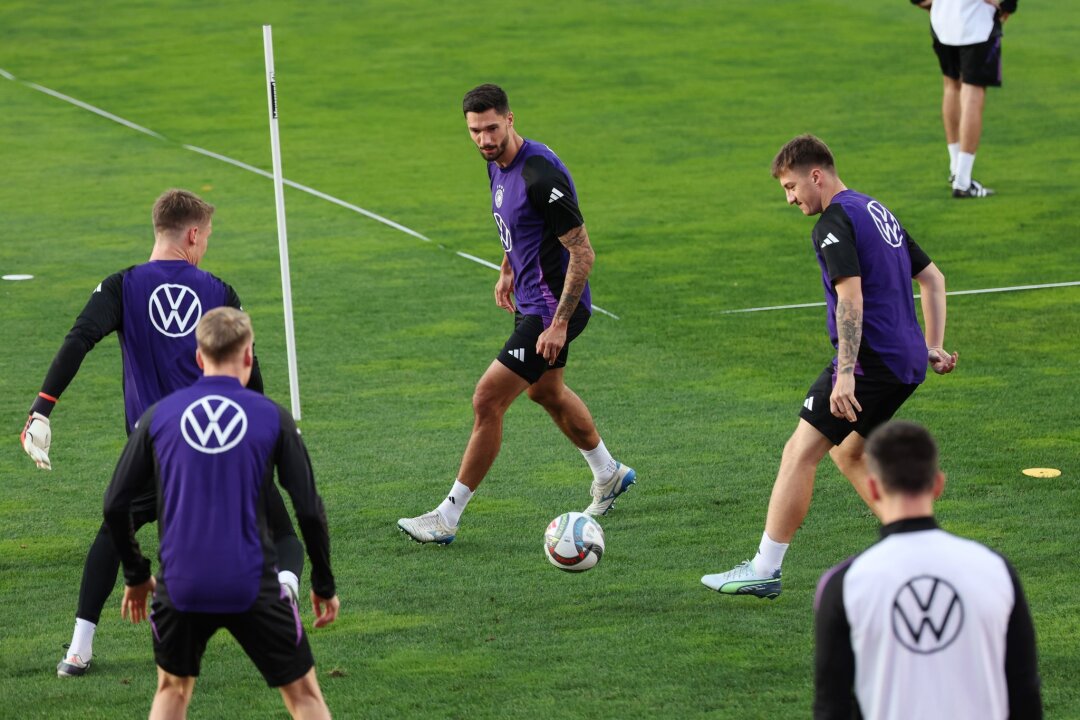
(428,527)
(605,492)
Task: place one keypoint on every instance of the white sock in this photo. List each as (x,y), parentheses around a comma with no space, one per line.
(770,556)
(600,461)
(954,152)
(82,640)
(964,163)
(288,577)
(451,508)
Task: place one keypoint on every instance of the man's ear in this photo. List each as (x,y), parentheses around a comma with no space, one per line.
(875,488)
(199,360)
(939,484)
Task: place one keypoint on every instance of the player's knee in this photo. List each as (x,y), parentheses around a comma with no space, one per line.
(486,404)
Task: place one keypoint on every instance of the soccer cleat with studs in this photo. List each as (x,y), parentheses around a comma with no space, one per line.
(427,528)
(604,493)
(72,666)
(744,580)
(974,190)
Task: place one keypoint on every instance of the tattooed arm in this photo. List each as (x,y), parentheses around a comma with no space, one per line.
(551,341)
(849,322)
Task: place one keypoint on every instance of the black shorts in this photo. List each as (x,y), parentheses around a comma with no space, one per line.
(270,633)
(880,399)
(519,352)
(978,64)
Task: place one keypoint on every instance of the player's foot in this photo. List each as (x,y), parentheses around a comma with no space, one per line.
(428,527)
(743,580)
(605,492)
(974,190)
(72,666)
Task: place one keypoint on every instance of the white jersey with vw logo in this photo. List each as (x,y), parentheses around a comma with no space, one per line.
(925,624)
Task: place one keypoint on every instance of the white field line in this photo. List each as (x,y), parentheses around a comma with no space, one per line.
(251,168)
(982,291)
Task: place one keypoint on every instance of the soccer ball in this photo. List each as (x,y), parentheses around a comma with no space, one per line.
(574,542)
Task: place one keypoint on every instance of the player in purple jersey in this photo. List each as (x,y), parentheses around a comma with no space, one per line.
(153,308)
(211,450)
(867,263)
(543,282)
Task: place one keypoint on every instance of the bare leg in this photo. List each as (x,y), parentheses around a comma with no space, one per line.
(495,392)
(851,460)
(304,699)
(172,697)
(567,409)
(794,486)
(972,101)
(950,110)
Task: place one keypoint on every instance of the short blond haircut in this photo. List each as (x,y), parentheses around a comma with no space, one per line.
(222,333)
(179,209)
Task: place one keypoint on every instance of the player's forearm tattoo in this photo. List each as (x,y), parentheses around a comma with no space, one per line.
(849,335)
(577,271)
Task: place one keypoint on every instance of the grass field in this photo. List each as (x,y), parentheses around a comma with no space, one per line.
(668,115)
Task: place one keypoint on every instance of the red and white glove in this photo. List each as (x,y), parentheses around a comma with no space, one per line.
(36,439)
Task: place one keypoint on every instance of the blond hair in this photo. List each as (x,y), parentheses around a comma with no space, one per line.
(222,333)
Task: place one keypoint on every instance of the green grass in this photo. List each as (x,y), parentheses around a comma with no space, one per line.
(668,116)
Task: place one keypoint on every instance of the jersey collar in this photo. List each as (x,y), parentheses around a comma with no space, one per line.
(909,525)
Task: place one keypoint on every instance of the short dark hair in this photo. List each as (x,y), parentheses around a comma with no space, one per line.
(486,97)
(177,209)
(904,456)
(802,152)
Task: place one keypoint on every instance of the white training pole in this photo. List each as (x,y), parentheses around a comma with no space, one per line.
(283,242)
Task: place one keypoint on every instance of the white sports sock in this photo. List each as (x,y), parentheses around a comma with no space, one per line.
(964,163)
(600,461)
(954,152)
(770,556)
(82,640)
(451,508)
(288,577)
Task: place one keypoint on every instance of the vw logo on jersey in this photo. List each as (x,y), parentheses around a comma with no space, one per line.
(175,310)
(498,196)
(504,233)
(927,614)
(887,224)
(213,424)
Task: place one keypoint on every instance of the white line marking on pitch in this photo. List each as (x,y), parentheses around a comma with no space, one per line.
(952,292)
(251,168)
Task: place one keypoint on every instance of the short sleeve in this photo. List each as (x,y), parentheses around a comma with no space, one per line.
(834,238)
(550,193)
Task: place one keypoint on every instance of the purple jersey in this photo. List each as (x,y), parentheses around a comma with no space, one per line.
(212,449)
(534,203)
(163,301)
(857,236)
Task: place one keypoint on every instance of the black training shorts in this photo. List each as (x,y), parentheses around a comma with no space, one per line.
(519,352)
(978,64)
(270,633)
(880,399)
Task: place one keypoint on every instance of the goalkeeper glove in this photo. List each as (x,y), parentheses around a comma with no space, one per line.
(36,438)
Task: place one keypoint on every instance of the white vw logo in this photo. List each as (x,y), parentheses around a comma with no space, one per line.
(213,424)
(927,614)
(175,310)
(504,233)
(887,225)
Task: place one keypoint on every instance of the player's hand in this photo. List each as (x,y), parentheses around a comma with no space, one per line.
(551,342)
(133,605)
(325,610)
(842,402)
(940,361)
(36,438)
(1002,15)
(503,291)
